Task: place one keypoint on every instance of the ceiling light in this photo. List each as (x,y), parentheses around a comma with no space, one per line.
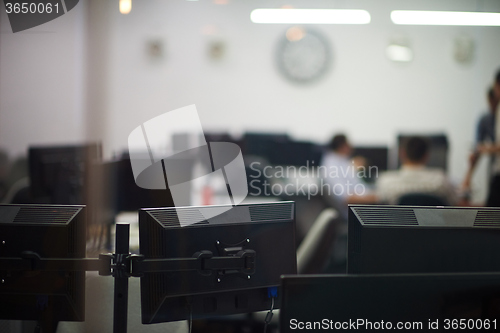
(399,53)
(125,6)
(416,17)
(310,16)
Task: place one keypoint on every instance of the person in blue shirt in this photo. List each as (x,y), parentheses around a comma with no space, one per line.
(487,143)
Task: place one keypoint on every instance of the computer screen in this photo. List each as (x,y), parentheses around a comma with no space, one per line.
(408,239)
(261,144)
(53,232)
(375,156)
(220,137)
(438,149)
(465,302)
(124,193)
(60,174)
(296,153)
(267,229)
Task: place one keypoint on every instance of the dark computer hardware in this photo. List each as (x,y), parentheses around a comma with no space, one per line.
(296,153)
(438,149)
(261,144)
(377,158)
(126,194)
(220,137)
(420,239)
(225,264)
(60,174)
(42,292)
(372,303)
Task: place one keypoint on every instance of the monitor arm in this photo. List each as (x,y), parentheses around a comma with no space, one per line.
(122,265)
(135,265)
(203,261)
(31,261)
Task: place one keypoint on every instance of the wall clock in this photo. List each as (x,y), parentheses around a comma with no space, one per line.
(303,55)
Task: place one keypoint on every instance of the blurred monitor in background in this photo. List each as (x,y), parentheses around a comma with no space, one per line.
(127,195)
(371,156)
(438,149)
(261,144)
(416,176)
(61,174)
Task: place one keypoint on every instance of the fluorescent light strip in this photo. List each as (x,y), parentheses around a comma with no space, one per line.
(310,16)
(416,17)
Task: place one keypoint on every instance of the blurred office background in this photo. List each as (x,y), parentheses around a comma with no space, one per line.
(95,74)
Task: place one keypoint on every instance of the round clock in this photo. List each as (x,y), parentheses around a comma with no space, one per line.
(303,55)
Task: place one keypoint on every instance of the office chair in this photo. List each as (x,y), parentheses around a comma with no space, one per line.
(421,199)
(315,248)
(18,193)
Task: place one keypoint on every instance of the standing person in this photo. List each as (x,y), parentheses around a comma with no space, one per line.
(488,143)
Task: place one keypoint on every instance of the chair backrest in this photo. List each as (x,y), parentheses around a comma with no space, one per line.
(421,199)
(315,247)
(18,193)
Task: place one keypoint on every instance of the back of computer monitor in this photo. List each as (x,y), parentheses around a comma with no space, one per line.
(410,239)
(438,149)
(267,229)
(61,174)
(373,303)
(52,232)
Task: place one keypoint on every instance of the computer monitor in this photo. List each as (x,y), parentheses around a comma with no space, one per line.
(372,303)
(261,144)
(125,194)
(376,157)
(52,232)
(220,137)
(408,239)
(438,149)
(296,153)
(266,229)
(60,174)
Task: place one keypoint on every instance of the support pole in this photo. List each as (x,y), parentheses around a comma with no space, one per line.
(121,278)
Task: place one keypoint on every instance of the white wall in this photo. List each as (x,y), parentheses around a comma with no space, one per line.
(363,94)
(42,82)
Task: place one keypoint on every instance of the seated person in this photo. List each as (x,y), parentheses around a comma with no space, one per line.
(340,178)
(414,176)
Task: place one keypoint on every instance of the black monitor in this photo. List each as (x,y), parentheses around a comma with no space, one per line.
(52,232)
(465,302)
(220,137)
(261,144)
(266,230)
(438,149)
(125,194)
(408,239)
(376,157)
(296,153)
(60,174)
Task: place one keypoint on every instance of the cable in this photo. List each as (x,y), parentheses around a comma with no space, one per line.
(190,324)
(269,315)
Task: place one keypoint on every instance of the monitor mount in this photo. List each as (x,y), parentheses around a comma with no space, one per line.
(232,259)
